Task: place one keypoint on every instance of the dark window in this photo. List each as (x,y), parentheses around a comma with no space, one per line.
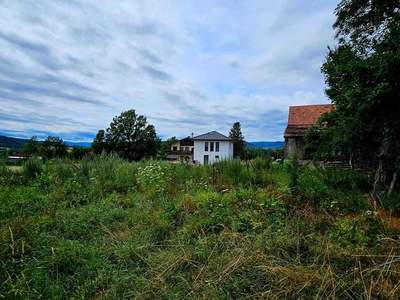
(187,149)
(216,157)
(206,146)
(175,148)
(211,146)
(216,146)
(206,159)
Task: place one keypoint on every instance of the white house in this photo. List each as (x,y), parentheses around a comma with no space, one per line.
(212,147)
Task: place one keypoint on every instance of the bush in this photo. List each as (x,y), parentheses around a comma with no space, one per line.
(32,168)
(391,203)
(233,173)
(344,179)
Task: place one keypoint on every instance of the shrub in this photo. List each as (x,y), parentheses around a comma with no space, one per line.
(233,173)
(32,168)
(357,232)
(391,203)
(110,173)
(261,164)
(153,178)
(344,179)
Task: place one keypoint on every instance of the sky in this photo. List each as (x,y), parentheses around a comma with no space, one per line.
(68,67)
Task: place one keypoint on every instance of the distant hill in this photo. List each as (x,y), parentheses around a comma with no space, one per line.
(18,143)
(10,142)
(266,145)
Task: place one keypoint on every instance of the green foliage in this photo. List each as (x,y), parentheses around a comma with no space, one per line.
(130,136)
(102,227)
(79,152)
(31,147)
(251,153)
(166,147)
(391,202)
(32,167)
(238,140)
(99,143)
(53,147)
(293,170)
(362,81)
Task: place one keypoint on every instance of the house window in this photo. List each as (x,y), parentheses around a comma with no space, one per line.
(217,157)
(187,149)
(205,159)
(216,146)
(206,146)
(175,148)
(181,148)
(211,146)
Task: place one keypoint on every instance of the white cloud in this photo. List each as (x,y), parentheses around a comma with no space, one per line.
(189,66)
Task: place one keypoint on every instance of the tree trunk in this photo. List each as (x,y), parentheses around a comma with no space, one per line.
(393,183)
(378,174)
(351,161)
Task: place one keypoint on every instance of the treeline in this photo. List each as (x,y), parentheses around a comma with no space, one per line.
(51,147)
(362,75)
(131,137)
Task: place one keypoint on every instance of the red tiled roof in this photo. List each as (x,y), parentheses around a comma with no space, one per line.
(307,114)
(303,117)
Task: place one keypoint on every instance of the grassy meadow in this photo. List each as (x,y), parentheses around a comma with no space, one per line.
(107,229)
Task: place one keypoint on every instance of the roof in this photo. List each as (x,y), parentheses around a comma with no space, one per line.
(212,136)
(307,114)
(303,117)
(188,141)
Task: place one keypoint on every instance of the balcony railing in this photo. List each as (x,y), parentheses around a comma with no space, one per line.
(181,152)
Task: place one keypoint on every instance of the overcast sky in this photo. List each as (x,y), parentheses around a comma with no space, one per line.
(68,67)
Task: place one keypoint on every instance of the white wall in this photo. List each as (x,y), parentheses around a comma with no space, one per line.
(225,151)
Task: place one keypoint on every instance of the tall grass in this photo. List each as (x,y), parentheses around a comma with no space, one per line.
(32,167)
(107,228)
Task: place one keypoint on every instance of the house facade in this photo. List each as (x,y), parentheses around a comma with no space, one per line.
(300,119)
(212,147)
(182,150)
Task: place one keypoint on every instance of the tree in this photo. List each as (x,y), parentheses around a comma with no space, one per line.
(362,76)
(166,147)
(99,144)
(31,147)
(79,152)
(53,147)
(238,140)
(132,137)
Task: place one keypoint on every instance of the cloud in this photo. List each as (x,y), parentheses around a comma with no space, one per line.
(68,67)
(157,74)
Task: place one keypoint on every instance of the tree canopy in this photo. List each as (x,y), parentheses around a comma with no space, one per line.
(53,147)
(363,81)
(130,136)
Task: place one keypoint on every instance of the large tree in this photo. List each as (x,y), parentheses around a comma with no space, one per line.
(238,140)
(53,147)
(363,81)
(132,137)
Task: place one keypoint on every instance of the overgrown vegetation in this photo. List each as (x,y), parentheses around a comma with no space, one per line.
(362,77)
(106,228)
